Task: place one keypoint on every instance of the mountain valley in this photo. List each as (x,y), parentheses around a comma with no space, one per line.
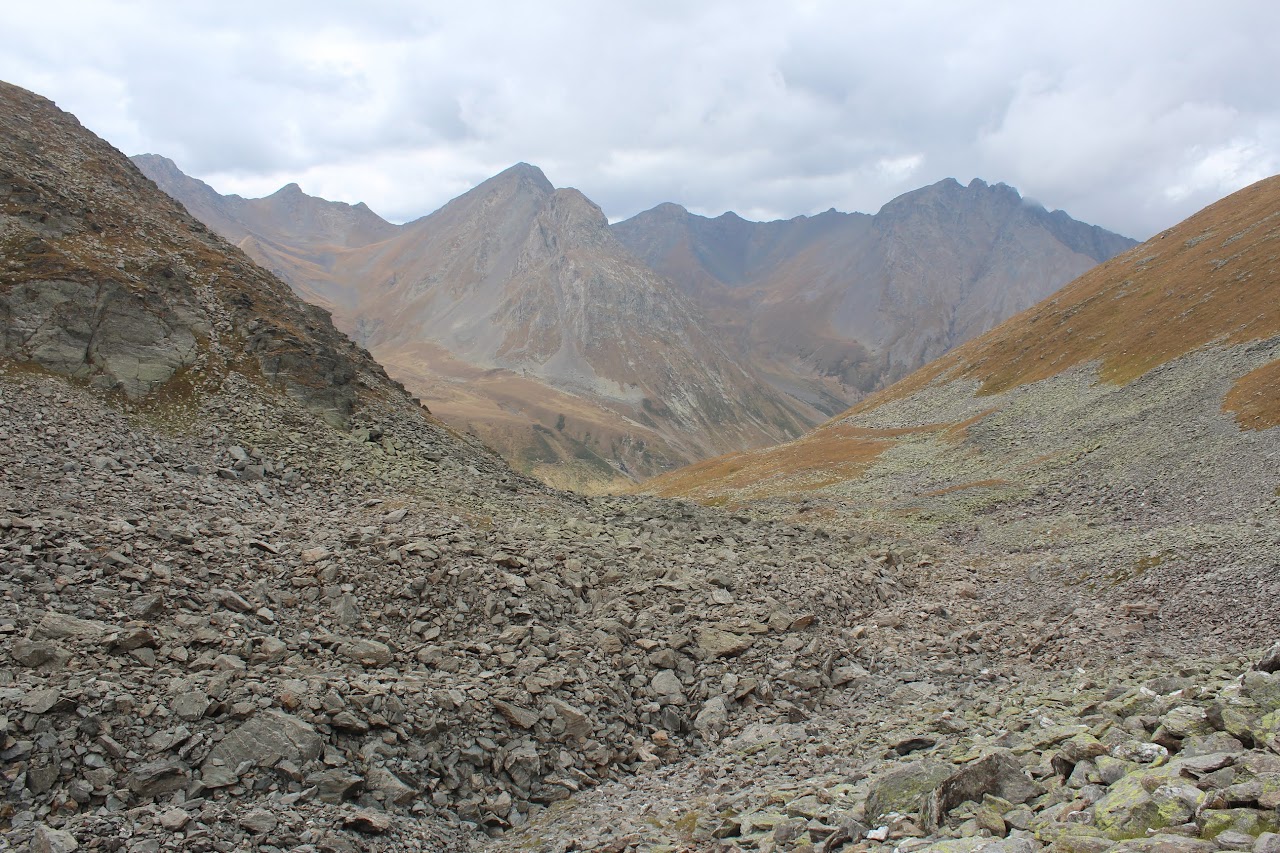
(517,313)
(255,596)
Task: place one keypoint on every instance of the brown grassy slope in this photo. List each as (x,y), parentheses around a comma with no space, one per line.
(1255,399)
(1214,278)
(827,455)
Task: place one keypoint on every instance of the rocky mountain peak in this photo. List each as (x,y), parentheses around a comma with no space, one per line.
(571,210)
(523,175)
(667,210)
(157,164)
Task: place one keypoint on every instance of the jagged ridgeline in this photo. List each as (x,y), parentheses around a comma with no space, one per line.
(593,355)
(517,315)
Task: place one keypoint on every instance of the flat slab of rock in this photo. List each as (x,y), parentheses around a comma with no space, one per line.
(366,652)
(41,701)
(35,653)
(368,822)
(158,777)
(48,840)
(262,742)
(57,626)
(522,717)
(335,785)
(717,643)
(576,723)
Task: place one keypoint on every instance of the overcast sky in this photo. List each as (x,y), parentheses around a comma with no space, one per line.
(1131,115)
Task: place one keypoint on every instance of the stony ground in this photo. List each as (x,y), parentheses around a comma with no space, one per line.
(265,619)
(229,626)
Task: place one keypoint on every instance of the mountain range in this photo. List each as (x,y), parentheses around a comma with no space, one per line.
(254,596)
(837,305)
(592,354)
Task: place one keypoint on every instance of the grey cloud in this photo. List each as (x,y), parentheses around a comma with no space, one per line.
(1128,115)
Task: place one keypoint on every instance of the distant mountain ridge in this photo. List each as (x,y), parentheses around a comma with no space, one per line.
(288,213)
(842,304)
(516,314)
(619,351)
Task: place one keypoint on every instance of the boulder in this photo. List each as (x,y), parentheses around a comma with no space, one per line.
(57,626)
(1146,800)
(261,742)
(48,840)
(997,773)
(335,785)
(369,653)
(514,714)
(716,643)
(36,653)
(666,685)
(576,723)
(905,789)
(158,777)
(1269,662)
(713,717)
(1263,688)
(391,786)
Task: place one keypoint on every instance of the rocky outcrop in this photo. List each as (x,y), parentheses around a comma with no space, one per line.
(107,280)
(107,333)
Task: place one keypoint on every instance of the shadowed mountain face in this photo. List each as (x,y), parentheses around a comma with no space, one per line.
(589,354)
(836,305)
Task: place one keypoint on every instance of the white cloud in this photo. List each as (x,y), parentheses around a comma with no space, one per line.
(899,168)
(1129,115)
(1220,169)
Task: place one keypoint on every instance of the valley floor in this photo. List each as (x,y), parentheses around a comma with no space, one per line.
(260,633)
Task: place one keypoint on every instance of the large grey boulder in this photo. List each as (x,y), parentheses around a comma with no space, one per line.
(264,741)
(45,839)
